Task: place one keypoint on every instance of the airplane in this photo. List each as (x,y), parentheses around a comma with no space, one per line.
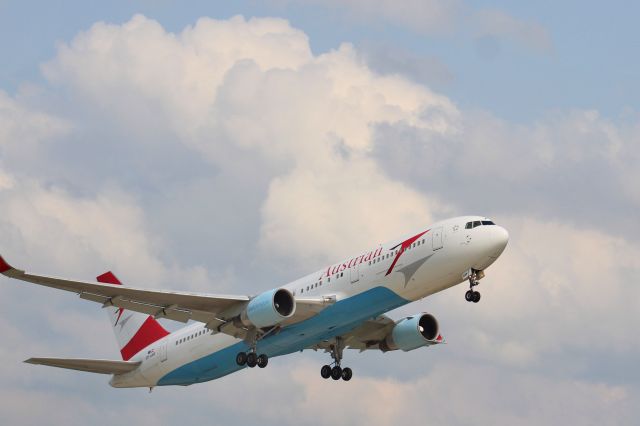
(341,306)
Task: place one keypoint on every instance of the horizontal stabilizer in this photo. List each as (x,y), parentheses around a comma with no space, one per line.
(100,366)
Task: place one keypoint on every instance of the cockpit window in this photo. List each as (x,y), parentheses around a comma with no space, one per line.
(475,223)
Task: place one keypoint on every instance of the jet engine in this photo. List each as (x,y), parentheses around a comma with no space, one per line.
(411,333)
(269,308)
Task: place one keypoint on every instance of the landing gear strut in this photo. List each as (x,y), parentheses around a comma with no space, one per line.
(336,372)
(474,279)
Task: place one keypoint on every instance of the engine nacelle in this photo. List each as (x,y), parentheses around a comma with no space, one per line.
(269,308)
(411,333)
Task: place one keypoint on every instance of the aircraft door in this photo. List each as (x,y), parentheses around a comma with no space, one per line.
(163,351)
(355,273)
(437,238)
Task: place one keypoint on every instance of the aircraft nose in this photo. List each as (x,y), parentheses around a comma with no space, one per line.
(491,244)
(499,240)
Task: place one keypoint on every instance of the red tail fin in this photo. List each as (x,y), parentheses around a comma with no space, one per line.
(134,331)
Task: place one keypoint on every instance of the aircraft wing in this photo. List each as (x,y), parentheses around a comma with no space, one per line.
(100,366)
(367,335)
(213,310)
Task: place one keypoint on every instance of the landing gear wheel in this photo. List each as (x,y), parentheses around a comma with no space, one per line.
(241,358)
(262,361)
(347,374)
(336,373)
(468,296)
(325,371)
(476,296)
(252,359)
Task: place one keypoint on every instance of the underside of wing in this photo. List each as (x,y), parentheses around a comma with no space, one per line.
(367,335)
(219,312)
(100,366)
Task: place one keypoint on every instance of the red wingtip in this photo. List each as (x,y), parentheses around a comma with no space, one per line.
(4,266)
(108,278)
(439,338)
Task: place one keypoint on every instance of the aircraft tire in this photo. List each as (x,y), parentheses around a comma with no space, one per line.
(336,373)
(468,296)
(241,358)
(476,296)
(347,374)
(252,359)
(325,371)
(262,361)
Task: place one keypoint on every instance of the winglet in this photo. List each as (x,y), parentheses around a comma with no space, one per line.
(108,278)
(4,266)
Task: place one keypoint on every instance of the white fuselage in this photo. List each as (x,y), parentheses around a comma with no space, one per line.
(429,261)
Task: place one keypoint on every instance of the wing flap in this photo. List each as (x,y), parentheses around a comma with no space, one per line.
(100,366)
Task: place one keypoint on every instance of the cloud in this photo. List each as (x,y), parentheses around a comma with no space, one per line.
(293,117)
(343,208)
(229,158)
(426,16)
(387,59)
(493,25)
(552,280)
(556,167)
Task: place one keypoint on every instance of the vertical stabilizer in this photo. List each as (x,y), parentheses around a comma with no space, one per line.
(134,331)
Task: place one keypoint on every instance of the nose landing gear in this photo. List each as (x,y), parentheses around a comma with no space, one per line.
(474,279)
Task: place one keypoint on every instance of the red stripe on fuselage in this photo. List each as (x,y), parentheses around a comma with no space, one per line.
(405,245)
(150,332)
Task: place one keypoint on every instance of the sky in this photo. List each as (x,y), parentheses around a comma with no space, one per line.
(231,147)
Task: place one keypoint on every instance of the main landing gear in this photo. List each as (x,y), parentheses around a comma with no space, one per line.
(336,372)
(252,359)
(474,279)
